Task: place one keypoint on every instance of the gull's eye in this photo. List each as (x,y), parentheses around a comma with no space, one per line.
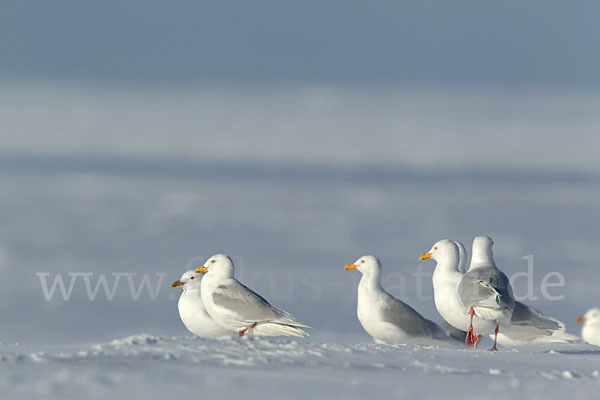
(362,261)
(213,261)
(435,248)
(193,277)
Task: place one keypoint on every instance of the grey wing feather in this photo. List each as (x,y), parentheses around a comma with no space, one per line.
(247,303)
(410,321)
(479,285)
(525,315)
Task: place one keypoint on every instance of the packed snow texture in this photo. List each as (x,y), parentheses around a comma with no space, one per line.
(147,366)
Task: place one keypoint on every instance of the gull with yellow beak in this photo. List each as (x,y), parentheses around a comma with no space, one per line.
(485,291)
(384,317)
(590,332)
(528,325)
(239,309)
(446,278)
(192,311)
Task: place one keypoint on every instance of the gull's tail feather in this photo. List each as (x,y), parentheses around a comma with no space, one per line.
(564,337)
(523,338)
(531,326)
(287,319)
(279,329)
(528,316)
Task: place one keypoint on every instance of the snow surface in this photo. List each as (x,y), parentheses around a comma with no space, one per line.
(148,366)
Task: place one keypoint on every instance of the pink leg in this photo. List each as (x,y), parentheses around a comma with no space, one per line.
(469,331)
(241,333)
(475,340)
(472,338)
(494,348)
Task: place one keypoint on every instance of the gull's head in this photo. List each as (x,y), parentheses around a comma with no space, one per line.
(366,264)
(441,251)
(218,265)
(482,251)
(591,317)
(483,243)
(188,279)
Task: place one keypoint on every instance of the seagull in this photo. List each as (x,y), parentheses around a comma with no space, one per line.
(528,325)
(191,310)
(485,291)
(446,279)
(237,308)
(590,332)
(385,318)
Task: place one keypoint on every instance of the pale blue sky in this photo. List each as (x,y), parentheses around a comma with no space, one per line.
(433,43)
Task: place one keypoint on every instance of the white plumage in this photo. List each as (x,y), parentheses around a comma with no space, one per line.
(528,325)
(238,308)
(590,332)
(191,309)
(386,318)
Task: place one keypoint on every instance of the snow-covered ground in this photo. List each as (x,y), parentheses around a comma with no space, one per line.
(86,197)
(148,366)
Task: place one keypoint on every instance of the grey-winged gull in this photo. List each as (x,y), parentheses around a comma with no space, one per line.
(386,318)
(238,308)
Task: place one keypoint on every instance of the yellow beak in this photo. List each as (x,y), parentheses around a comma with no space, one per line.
(350,266)
(425,256)
(580,319)
(176,283)
(201,269)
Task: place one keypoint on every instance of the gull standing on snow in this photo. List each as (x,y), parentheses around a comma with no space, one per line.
(529,326)
(239,309)
(590,332)
(446,279)
(386,318)
(192,311)
(485,291)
